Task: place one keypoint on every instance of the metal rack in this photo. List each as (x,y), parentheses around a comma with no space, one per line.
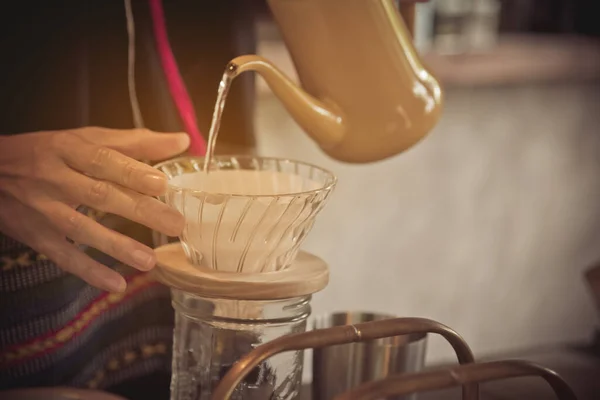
(467,374)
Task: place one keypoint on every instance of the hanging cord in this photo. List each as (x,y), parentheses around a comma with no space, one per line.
(176,86)
(138,121)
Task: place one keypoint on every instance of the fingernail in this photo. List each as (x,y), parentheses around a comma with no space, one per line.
(155,182)
(108,279)
(116,284)
(183,141)
(143,260)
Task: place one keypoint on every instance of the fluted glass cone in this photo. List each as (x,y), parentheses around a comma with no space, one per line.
(249,214)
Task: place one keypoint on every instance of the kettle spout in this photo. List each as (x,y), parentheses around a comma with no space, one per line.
(318,120)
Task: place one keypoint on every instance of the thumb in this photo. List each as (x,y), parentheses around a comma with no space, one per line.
(155,146)
(143,144)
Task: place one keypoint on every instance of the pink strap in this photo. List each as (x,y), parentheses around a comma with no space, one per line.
(176,86)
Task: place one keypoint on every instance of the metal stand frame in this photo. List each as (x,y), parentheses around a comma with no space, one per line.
(468,374)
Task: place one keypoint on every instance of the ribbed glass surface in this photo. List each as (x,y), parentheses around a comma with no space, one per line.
(250,214)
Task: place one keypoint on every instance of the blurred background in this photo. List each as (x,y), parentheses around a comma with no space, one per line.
(489,224)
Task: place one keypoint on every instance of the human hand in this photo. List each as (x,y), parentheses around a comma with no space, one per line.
(45,176)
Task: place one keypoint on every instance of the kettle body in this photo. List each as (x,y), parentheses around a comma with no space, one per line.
(365,94)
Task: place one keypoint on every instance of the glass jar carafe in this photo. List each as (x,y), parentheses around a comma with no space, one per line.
(211,334)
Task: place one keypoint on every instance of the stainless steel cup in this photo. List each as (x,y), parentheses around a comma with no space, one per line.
(337,369)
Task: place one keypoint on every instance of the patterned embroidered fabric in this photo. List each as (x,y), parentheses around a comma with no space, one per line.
(57,330)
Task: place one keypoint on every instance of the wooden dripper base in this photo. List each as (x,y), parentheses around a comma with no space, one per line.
(308,274)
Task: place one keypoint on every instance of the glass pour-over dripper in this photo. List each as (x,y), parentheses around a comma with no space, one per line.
(249,214)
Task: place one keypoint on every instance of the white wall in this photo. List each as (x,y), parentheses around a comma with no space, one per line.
(486,225)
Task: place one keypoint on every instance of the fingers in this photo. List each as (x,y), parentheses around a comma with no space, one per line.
(33,229)
(70,259)
(140,144)
(107,197)
(110,165)
(83,230)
